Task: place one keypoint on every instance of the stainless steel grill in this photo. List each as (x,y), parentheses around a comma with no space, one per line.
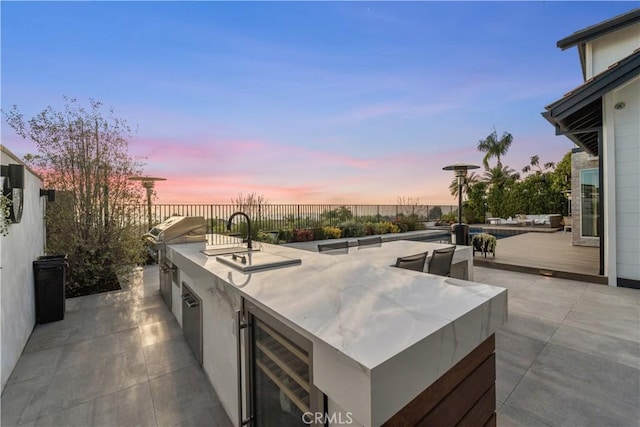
(177,229)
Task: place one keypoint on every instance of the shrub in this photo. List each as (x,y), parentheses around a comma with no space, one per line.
(331,233)
(285,235)
(351,229)
(318,233)
(451,216)
(368,229)
(409,222)
(265,237)
(386,227)
(302,235)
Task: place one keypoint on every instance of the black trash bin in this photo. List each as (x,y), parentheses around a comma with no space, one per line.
(50,274)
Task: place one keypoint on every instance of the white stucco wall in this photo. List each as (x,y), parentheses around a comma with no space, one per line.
(624,129)
(24,243)
(610,48)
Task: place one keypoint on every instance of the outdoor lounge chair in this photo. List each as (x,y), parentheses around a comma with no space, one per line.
(412,262)
(441,260)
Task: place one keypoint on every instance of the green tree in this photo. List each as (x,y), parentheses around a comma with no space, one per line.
(494,147)
(469,181)
(500,176)
(475,207)
(83,154)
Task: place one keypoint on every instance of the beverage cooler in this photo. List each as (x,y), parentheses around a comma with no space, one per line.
(277,374)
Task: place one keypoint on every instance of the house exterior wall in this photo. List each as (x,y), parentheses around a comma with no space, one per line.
(610,48)
(580,160)
(24,243)
(624,130)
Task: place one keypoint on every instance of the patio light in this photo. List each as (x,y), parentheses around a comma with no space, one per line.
(148,182)
(460,233)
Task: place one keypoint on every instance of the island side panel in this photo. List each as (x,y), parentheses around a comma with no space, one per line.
(403,377)
(219,336)
(465,394)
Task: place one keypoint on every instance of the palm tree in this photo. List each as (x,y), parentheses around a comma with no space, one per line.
(535,163)
(492,147)
(468,182)
(500,175)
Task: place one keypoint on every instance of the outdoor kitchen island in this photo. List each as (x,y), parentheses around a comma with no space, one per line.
(339,338)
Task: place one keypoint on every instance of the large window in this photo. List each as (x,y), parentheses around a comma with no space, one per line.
(590,198)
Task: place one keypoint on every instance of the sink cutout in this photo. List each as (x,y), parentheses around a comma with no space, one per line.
(247,262)
(225,251)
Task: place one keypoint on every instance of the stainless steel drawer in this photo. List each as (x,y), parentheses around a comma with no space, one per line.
(192,320)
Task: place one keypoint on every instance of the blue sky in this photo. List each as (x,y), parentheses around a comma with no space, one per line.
(334,102)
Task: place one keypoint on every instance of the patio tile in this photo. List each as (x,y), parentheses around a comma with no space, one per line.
(616,296)
(153,333)
(552,297)
(605,323)
(602,305)
(96,378)
(538,309)
(210,416)
(153,315)
(99,347)
(144,302)
(57,334)
(39,364)
(608,347)
(508,374)
(515,282)
(129,407)
(569,387)
(532,327)
(630,294)
(183,392)
(168,356)
(21,402)
(515,353)
(105,299)
(511,417)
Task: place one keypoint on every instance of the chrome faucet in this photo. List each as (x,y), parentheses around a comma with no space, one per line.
(248,226)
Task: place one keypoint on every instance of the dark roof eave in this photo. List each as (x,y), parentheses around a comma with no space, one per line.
(600,29)
(575,138)
(625,70)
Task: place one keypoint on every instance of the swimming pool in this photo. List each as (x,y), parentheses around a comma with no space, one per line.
(445,237)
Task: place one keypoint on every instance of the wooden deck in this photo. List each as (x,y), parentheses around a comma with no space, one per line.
(549,254)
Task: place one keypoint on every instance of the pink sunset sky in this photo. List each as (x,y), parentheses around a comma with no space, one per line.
(337,102)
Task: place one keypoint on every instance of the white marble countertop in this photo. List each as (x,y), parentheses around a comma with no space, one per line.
(374,327)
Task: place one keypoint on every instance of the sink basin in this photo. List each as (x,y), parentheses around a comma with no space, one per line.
(248,262)
(224,251)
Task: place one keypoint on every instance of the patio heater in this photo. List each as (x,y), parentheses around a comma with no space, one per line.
(148,182)
(460,231)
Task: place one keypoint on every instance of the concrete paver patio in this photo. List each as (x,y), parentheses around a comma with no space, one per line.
(569,356)
(117,359)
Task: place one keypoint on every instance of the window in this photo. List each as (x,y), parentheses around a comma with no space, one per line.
(589,200)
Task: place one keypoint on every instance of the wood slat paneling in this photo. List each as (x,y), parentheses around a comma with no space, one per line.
(429,399)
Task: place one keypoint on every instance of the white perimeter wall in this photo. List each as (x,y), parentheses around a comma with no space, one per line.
(623,127)
(24,244)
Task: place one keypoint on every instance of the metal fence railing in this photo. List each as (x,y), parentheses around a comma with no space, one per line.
(270,217)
